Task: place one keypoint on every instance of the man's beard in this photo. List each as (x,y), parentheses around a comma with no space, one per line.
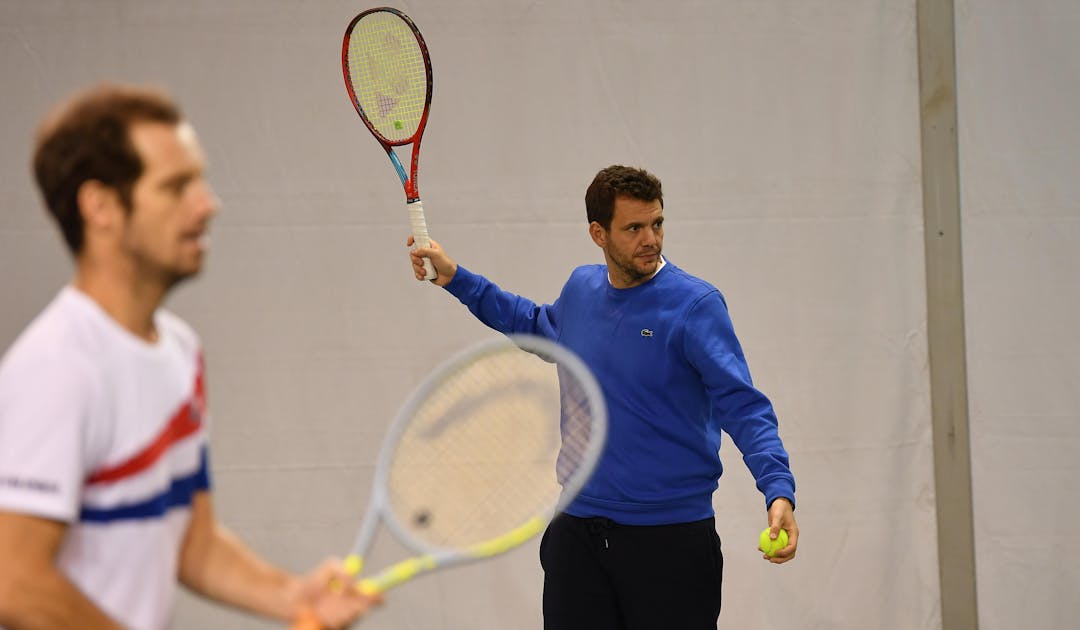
(627,267)
(165,276)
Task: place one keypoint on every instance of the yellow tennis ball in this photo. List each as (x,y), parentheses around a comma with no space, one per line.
(770,546)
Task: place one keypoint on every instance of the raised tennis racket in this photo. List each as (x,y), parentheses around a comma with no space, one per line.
(388,76)
(481,456)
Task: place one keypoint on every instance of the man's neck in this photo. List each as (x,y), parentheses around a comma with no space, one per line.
(130,302)
(629,284)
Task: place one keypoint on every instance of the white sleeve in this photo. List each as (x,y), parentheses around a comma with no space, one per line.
(45,403)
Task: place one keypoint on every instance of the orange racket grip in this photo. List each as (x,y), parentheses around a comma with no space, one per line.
(306,620)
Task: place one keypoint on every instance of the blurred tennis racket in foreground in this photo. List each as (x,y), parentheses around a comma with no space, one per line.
(388,76)
(483,454)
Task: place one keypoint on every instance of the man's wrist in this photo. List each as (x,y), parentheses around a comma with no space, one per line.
(789,502)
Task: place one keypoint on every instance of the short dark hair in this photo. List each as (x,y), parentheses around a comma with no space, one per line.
(88,138)
(615,181)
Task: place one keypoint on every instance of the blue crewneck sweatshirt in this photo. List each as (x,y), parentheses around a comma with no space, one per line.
(673,376)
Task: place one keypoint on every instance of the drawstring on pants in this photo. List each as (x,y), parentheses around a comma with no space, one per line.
(598,527)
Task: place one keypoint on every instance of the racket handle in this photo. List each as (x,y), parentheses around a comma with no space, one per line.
(307,619)
(420,235)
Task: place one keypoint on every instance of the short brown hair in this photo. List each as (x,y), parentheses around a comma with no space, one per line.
(87,138)
(615,181)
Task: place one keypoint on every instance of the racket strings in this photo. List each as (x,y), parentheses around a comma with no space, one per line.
(577,421)
(389,76)
(488,449)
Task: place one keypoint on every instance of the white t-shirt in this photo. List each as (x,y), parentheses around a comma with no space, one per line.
(106,432)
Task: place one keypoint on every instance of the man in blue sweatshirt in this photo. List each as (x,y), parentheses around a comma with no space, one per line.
(638,549)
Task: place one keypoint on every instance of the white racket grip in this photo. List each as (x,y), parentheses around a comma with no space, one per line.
(420,235)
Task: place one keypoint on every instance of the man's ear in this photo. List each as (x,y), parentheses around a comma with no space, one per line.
(599,234)
(99,206)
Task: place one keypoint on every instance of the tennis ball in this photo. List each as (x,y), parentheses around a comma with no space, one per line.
(398,124)
(770,546)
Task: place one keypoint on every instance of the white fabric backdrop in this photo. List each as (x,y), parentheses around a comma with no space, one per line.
(787,136)
(1019,92)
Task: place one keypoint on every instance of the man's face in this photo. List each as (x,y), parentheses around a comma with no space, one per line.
(632,246)
(165,234)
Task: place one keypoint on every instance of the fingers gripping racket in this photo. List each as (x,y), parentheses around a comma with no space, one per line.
(388,76)
(482,455)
